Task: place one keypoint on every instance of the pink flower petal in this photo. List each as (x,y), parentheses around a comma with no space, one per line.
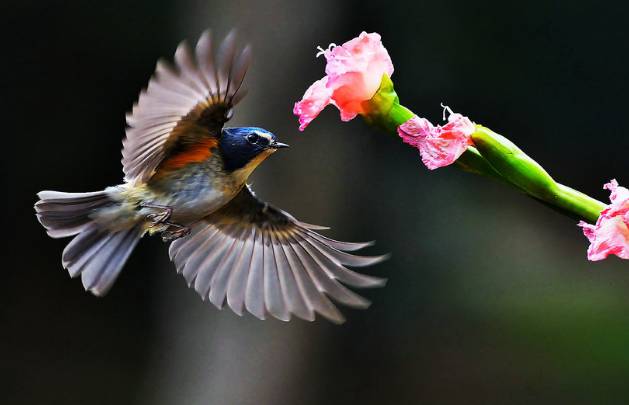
(588,230)
(316,98)
(438,146)
(365,56)
(610,235)
(353,74)
(618,194)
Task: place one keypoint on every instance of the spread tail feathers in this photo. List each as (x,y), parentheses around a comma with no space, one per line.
(95,253)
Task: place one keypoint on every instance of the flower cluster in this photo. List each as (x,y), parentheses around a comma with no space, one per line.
(357,82)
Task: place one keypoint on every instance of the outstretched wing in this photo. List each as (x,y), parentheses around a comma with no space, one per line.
(262,259)
(183,105)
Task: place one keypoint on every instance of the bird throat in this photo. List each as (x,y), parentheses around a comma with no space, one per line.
(241,175)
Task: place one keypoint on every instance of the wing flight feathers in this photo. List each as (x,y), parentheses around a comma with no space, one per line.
(183,103)
(261,259)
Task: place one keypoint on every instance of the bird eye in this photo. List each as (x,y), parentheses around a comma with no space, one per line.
(253,137)
(263,141)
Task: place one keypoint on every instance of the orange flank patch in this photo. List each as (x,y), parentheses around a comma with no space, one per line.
(192,154)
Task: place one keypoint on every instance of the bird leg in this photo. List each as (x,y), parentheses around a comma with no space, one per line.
(160,223)
(174,231)
(160,217)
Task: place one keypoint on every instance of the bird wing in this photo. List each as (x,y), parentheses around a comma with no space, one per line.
(184,105)
(263,259)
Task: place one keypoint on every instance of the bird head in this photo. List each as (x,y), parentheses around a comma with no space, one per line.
(244,148)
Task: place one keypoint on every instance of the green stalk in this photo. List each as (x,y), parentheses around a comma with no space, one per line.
(525,173)
(493,156)
(578,203)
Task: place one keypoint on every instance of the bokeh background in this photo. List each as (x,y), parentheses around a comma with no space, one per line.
(490,298)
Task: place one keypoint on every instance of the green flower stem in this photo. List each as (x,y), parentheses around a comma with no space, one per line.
(493,156)
(526,174)
(472,161)
(575,202)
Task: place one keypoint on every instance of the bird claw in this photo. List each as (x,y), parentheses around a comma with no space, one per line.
(179,231)
(159,223)
(159,217)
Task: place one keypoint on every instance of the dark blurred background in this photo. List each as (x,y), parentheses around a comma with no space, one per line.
(490,297)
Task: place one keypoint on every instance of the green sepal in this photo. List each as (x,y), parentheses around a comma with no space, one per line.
(383,109)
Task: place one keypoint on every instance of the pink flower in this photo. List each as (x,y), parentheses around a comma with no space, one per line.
(610,235)
(353,74)
(438,145)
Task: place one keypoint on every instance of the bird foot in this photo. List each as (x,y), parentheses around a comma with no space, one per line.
(161,216)
(174,231)
(159,223)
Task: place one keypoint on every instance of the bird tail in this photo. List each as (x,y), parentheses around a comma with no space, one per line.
(97,254)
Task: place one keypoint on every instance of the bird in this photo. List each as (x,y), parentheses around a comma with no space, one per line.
(186,180)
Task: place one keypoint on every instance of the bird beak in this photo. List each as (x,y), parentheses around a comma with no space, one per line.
(279,145)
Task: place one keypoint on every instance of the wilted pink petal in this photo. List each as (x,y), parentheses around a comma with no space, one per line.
(438,146)
(353,74)
(316,98)
(618,194)
(610,235)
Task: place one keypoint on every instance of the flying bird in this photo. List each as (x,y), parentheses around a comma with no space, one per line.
(185,179)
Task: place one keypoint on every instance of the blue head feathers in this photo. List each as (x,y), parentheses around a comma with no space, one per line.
(242,144)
